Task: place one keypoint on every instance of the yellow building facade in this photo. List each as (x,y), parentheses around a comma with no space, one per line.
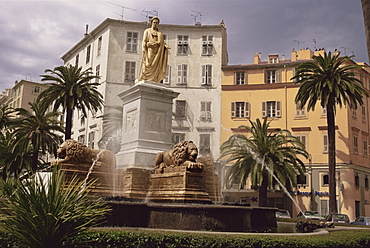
(265,89)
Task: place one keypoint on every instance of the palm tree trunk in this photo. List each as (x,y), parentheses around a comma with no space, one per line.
(68,131)
(331,156)
(35,159)
(366,12)
(262,191)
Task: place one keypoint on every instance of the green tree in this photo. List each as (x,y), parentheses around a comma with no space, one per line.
(331,80)
(14,159)
(72,89)
(5,116)
(263,153)
(47,213)
(40,129)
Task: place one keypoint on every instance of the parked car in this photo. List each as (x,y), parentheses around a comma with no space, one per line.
(337,218)
(282,213)
(361,220)
(310,215)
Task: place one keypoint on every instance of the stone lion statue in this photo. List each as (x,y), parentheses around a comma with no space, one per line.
(74,152)
(184,153)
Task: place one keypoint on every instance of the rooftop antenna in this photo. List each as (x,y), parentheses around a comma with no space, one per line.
(197,16)
(345,50)
(123,9)
(149,14)
(298,43)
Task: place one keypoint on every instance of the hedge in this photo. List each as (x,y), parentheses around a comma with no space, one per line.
(143,238)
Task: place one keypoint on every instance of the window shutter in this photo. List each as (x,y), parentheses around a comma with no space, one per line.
(204,74)
(325,142)
(264,108)
(179,74)
(278,109)
(209,75)
(246,109)
(233,110)
(185,70)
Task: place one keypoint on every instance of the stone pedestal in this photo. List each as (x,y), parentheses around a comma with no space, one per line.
(146,131)
(178,185)
(147,123)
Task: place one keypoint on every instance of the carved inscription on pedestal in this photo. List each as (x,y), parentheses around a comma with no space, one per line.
(155,121)
(131,121)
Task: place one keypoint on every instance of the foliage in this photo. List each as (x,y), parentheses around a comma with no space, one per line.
(39,128)
(14,158)
(5,116)
(330,79)
(42,213)
(116,238)
(277,151)
(71,89)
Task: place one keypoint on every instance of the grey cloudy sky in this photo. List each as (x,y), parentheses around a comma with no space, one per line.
(35,34)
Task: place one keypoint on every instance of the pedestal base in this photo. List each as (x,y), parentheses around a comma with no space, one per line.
(178,185)
(135,183)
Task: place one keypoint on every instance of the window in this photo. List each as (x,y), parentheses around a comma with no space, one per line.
(357,180)
(97,73)
(205,143)
(207,45)
(363,113)
(36,90)
(302,180)
(77,60)
(81,139)
(91,139)
(130,71)
(240,109)
(366,182)
(167,79)
(181,108)
(271,109)
(355,144)
(182,74)
(300,112)
(354,114)
(82,120)
(366,147)
(177,138)
(325,180)
(302,138)
(205,111)
(131,42)
(99,45)
(182,44)
(325,143)
(207,75)
(239,77)
(271,76)
(88,50)
(323,111)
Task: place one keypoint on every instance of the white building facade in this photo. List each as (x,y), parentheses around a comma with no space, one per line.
(114,49)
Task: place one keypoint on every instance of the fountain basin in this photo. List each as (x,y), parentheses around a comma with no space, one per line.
(200,217)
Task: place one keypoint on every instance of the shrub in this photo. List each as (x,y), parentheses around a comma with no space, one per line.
(48,214)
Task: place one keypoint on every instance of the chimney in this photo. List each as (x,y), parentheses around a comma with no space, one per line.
(294,55)
(257,58)
(87,30)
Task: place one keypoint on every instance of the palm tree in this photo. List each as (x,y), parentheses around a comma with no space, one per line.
(14,159)
(72,89)
(5,116)
(262,154)
(40,129)
(331,80)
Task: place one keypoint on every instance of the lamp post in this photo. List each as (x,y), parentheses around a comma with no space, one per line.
(311,181)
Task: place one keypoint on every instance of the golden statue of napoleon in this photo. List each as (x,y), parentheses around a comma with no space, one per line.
(155,54)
